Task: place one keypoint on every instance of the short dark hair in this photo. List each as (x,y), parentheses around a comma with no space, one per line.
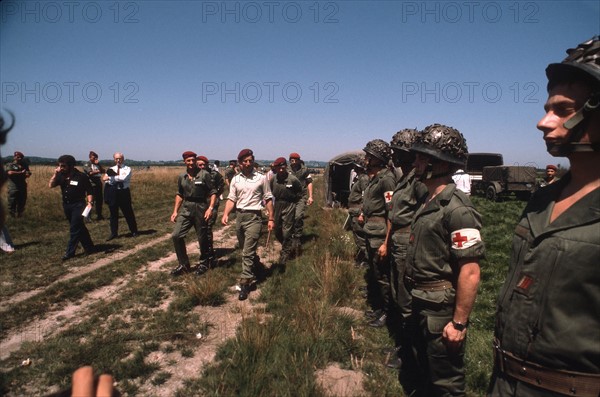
(67,159)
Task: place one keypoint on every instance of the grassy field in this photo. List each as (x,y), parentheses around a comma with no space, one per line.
(130,311)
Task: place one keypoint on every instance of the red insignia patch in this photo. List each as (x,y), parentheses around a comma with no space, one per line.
(525,282)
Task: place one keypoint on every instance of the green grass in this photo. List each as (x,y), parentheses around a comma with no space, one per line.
(277,348)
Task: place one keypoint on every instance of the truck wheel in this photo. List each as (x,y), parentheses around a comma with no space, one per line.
(490,193)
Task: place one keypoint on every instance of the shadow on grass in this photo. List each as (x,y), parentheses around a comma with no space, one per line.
(25,245)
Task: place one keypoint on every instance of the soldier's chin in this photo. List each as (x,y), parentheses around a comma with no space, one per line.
(555,149)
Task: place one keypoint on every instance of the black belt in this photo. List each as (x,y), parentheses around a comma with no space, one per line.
(195,199)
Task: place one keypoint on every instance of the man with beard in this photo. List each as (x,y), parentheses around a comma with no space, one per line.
(546,335)
(442,265)
(247,192)
(287,191)
(77,196)
(196,199)
(374,218)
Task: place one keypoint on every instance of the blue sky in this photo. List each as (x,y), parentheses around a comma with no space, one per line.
(155,78)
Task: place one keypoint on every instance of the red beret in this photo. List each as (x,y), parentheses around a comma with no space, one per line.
(551,166)
(294,156)
(20,154)
(203,158)
(245,153)
(279,162)
(187,154)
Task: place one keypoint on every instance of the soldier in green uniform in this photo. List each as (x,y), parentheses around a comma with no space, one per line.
(18,172)
(408,196)
(196,199)
(299,170)
(94,171)
(547,334)
(287,191)
(219,185)
(442,265)
(355,202)
(374,218)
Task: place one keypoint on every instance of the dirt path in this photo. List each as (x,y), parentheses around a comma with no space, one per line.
(333,379)
(20,297)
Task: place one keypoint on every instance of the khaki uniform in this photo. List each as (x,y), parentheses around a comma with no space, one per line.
(549,307)
(355,201)
(378,192)
(287,192)
(195,192)
(407,199)
(305,179)
(442,233)
(248,193)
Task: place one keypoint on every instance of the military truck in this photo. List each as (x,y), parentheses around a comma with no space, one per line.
(492,179)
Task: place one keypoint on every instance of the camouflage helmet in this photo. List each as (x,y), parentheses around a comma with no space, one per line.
(379,149)
(442,143)
(403,140)
(581,61)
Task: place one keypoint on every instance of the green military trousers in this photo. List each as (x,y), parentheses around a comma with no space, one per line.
(400,295)
(191,214)
(248,227)
(380,267)
(285,215)
(439,372)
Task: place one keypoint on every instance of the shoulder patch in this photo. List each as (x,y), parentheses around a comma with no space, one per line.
(465,238)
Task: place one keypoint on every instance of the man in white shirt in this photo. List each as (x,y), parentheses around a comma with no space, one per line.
(117,195)
(247,191)
(462,181)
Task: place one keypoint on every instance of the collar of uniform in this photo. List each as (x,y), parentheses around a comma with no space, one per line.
(194,176)
(584,211)
(441,199)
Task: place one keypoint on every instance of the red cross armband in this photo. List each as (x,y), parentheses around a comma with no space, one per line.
(388,196)
(465,238)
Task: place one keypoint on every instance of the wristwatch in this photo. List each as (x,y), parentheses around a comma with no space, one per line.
(460,326)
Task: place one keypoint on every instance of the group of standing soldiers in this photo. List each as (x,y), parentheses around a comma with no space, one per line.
(200,190)
(422,244)
(546,340)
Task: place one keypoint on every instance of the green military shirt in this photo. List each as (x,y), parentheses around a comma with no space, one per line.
(407,198)
(218,182)
(17,181)
(379,191)
(355,198)
(288,189)
(197,189)
(444,231)
(303,176)
(549,307)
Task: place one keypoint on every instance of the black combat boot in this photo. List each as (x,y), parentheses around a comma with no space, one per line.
(181,269)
